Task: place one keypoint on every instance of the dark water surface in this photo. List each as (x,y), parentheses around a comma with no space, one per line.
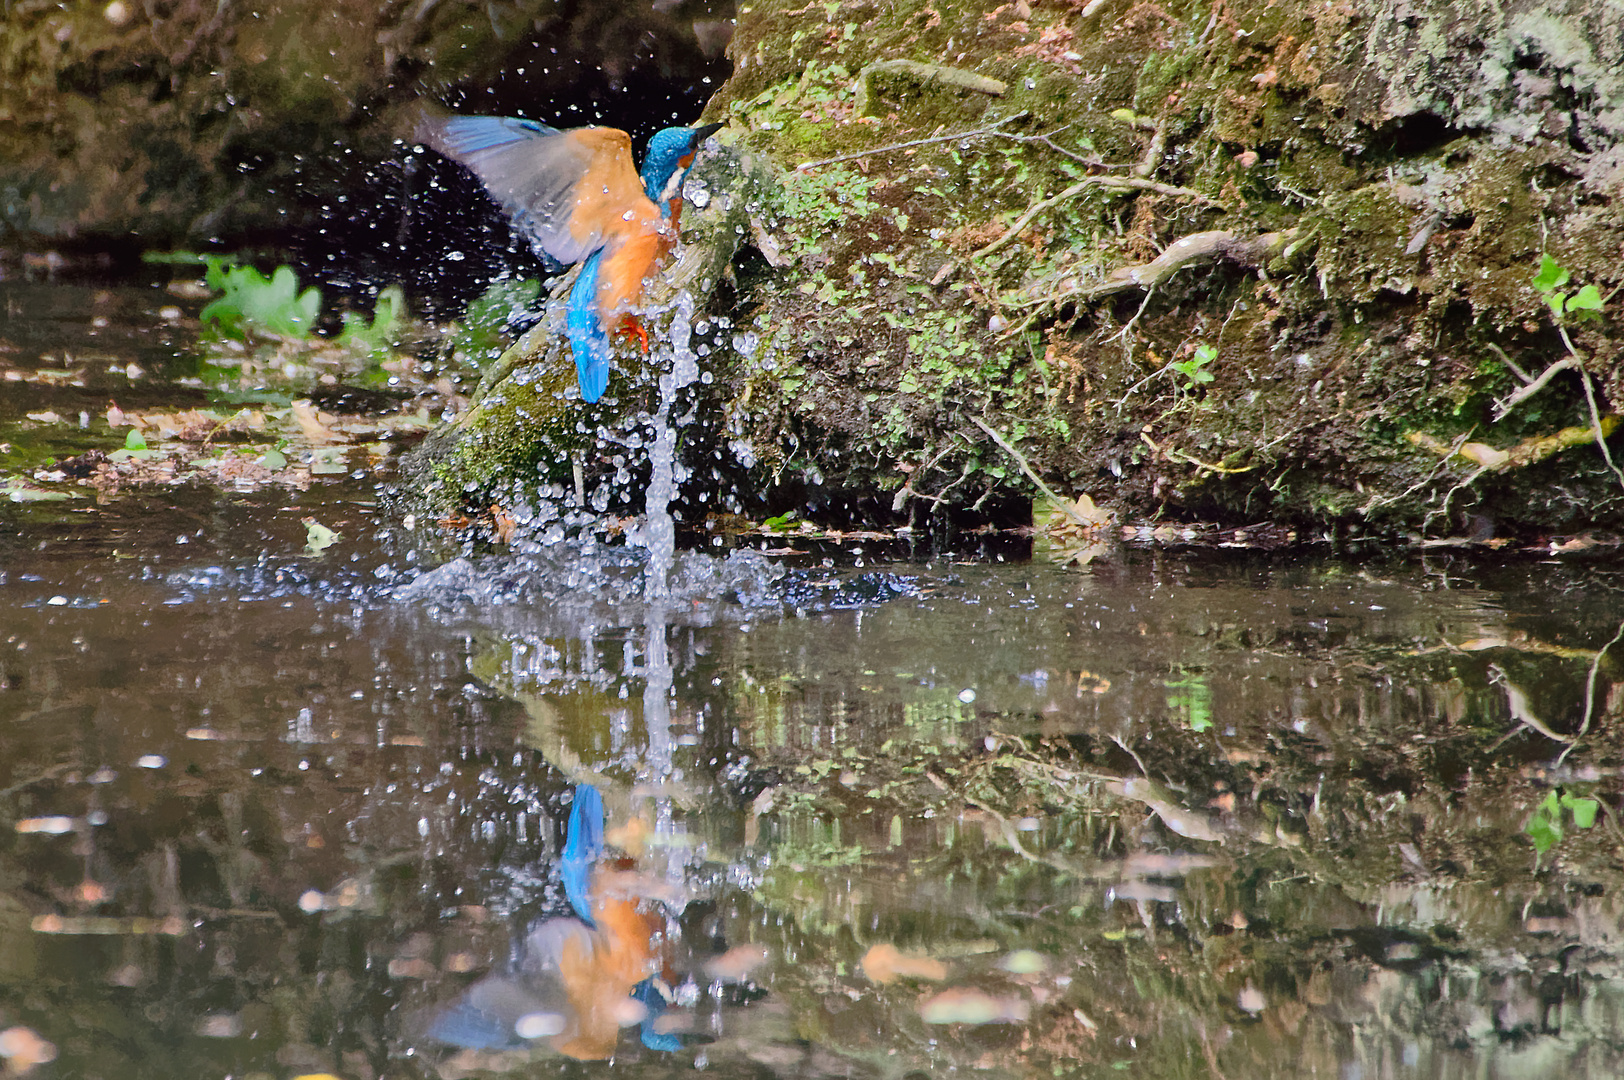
(271,813)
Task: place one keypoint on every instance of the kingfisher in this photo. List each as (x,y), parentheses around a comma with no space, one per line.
(576,197)
(578,977)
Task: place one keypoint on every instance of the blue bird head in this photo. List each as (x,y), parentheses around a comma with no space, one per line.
(666,161)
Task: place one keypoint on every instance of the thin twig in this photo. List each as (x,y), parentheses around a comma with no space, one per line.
(1595,417)
(976,133)
(1119,183)
(1503,409)
(1509,362)
(1048,140)
(1048,492)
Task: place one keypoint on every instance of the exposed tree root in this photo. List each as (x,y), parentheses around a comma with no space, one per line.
(1201,247)
(1527,452)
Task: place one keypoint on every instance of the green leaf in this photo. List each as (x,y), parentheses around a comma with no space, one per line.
(1551,275)
(254,301)
(1584,810)
(135,440)
(274,460)
(1586,299)
(1544,832)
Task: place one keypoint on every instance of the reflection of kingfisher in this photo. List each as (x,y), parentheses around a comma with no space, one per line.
(575,195)
(580,978)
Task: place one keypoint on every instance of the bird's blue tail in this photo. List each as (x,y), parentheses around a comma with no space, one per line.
(588,339)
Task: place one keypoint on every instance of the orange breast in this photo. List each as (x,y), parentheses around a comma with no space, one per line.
(624,269)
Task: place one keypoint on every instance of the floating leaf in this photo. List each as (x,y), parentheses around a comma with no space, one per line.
(318,537)
(887,964)
(961,1006)
(135,440)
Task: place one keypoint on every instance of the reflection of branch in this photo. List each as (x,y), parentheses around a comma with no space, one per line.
(1521,712)
(1590,691)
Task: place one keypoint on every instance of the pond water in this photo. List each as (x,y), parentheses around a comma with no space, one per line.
(278,804)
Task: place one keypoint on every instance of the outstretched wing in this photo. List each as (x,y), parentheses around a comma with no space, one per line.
(565,189)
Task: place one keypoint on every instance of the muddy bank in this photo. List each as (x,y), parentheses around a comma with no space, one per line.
(1240,261)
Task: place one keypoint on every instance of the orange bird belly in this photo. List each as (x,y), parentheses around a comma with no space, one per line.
(625,268)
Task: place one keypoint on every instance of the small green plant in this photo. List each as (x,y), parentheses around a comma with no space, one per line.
(481,334)
(1587,302)
(378,334)
(251,301)
(1194,369)
(1544,826)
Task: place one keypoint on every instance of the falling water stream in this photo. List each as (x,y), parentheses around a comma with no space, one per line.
(276,808)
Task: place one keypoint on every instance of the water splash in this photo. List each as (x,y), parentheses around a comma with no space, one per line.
(659,527)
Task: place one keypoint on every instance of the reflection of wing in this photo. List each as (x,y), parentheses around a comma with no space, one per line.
(565,189)
(489,1014)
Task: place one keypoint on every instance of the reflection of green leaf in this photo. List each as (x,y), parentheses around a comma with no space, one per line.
(1544,831)
(378,334)
(1551,275)
(1544,826)
(1193,697)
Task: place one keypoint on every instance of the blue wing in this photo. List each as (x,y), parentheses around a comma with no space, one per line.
(530,169)
(582,845)
(590,344)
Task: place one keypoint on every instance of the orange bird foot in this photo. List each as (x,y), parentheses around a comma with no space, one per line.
(632,330)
